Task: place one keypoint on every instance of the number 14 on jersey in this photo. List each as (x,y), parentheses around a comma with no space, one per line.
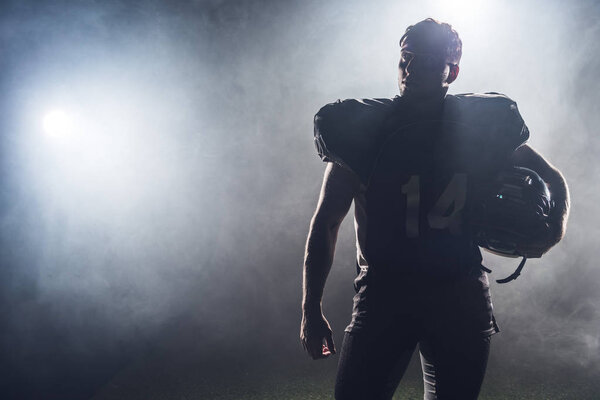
(453,197)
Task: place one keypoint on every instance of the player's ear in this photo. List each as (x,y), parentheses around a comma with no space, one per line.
(453,73)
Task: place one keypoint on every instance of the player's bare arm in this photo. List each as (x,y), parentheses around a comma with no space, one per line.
(337,192)
(527,157)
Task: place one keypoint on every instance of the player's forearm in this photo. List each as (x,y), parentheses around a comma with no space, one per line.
(320,248)
(559,192)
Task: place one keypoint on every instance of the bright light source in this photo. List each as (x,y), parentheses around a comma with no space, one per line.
(57,123)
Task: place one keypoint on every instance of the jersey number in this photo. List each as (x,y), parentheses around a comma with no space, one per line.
(454,197)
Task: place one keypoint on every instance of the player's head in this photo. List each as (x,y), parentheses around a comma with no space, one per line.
(430,53)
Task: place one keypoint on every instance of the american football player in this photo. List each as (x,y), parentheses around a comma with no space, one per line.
(412,166)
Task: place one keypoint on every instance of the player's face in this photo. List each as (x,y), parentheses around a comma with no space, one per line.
(422,71)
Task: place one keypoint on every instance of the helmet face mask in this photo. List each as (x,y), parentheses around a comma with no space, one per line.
(511,212)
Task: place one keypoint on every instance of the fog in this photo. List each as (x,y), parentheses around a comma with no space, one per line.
(176,205)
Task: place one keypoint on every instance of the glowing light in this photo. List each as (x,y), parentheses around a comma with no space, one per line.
(57,123)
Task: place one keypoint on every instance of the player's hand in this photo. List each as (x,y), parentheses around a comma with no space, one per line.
(316,335)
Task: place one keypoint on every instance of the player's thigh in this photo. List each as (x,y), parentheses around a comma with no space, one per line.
(454,368)
(371,366)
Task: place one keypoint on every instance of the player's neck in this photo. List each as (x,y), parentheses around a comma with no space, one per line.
(426,105)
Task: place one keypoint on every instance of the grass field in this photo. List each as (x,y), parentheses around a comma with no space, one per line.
(184,379)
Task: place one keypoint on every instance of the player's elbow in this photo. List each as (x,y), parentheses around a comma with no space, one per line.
(325,222)
(560,183)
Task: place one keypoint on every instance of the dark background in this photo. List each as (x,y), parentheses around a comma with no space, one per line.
(175,210)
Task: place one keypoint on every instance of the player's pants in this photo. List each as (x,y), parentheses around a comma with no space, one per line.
(371,366)
(451,321)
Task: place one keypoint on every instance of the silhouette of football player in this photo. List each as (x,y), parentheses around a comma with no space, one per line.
(411,164)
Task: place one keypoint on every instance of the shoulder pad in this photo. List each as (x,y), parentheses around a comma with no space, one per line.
(349,133)
(492,114)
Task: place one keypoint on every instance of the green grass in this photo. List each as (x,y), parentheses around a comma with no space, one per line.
(314,380)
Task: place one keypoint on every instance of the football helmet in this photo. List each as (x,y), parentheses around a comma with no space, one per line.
(510,214)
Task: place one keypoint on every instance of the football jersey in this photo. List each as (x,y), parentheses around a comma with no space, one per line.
(417,174)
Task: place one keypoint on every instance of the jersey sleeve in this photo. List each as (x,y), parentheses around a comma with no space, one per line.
(349,133)
(523,132)
(509,124)
(324,122)
(492,115)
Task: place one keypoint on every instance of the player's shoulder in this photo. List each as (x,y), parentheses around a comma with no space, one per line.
(491,114)
(355,109)
(486,97)
(350,119)
(483,108)
(349,131)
